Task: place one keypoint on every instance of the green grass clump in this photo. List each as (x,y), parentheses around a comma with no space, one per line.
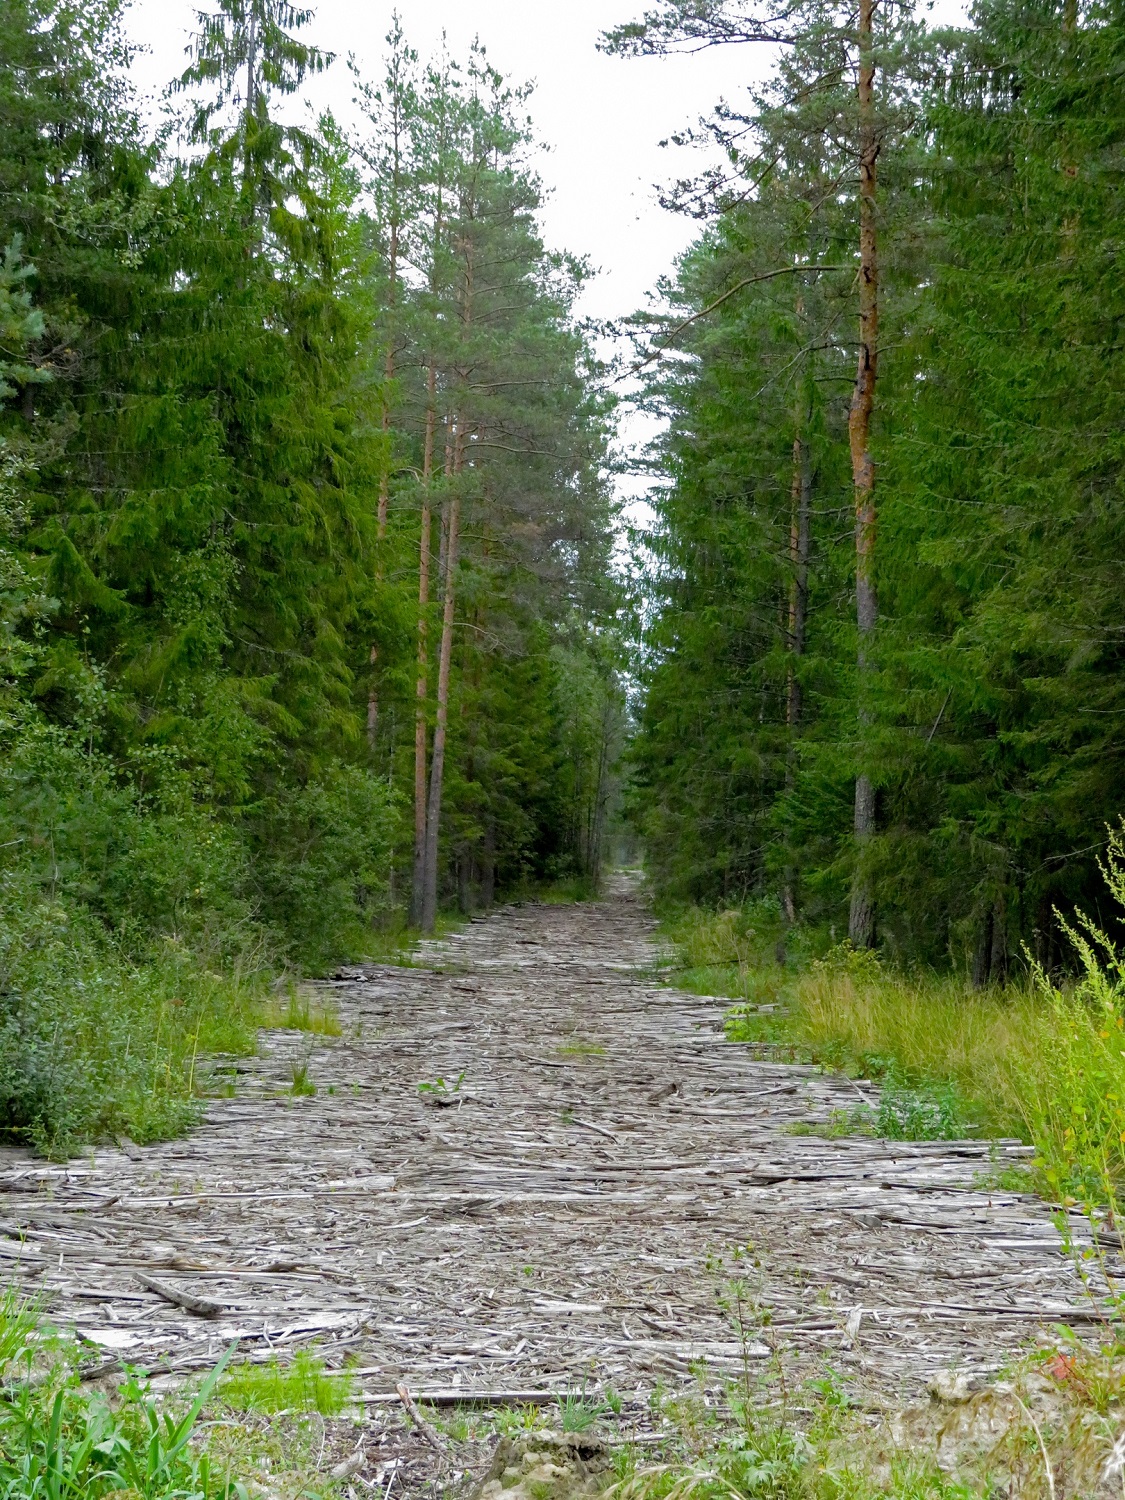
(96,1043)
(302,1084)
(58,1443)
(301,1012)
(19,1318)
(1039,1060)
(577,1046)
(302,1385)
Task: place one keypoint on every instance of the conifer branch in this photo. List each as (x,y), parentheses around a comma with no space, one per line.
(718,302)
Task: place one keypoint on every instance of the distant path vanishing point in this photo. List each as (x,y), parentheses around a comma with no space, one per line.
(550,1221)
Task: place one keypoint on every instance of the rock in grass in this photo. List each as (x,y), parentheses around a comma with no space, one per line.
(547,1466)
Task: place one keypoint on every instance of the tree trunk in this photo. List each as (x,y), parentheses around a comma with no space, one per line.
(982,954)
(488,864)
(861,922)
(373,703)
(799,544)
(250,189)
(251,105)
(385,476)
(799,530)
(388,376)
(437,761)
(998,959)
(418,883)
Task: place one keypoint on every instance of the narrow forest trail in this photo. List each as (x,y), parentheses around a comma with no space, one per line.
(549,1223)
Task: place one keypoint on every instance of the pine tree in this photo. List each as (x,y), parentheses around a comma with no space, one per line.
(847,129)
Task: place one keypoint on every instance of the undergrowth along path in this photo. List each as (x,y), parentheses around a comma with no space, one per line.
(518,1171)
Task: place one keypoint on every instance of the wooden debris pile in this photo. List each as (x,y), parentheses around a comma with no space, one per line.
(519,1173)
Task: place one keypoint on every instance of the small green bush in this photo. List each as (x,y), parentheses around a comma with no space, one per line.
(139,852)
(321,861)
(929,1112)
(302,1385)
(93,1044)
(138,928)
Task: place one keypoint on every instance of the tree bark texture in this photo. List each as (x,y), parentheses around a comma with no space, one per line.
(373,703)
(388,375)
(799,541)
(384,476)
(861,922)
(799,544)
(392,302)
(437,760)
(420,687)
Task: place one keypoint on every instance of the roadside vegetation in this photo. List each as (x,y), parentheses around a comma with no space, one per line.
(1050,1425)
(242,1429)
(1041,1058)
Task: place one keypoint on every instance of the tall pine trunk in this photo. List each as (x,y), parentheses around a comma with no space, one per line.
(450,528)
(395,227)
(799,542)
(384,476)
(451,516)
(861,920)
(420,687)
(800,529)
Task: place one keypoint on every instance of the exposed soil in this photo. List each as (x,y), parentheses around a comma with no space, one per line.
(554,1220)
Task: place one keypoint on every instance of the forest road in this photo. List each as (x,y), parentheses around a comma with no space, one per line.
(551,1214)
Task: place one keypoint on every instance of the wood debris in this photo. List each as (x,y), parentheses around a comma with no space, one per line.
(560,1230)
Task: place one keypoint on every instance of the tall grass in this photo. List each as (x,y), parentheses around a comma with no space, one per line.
(301,1385)
(1036,1060)
(1042,1059)
(96,1043)
(58,1443)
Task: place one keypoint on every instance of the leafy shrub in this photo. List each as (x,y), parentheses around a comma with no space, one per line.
(930,1112)
(137,850)
(93,1044)
(137,928)
(322,856)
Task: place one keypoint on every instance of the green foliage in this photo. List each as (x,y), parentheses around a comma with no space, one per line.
(577,1414)
(209,503)
(323,851)
(300,1385)
(94,1043)
(994,680)
(302,1085)
(55,1442)
(906,1112)
(301,1012)
(19,1319)
(442,1086)
(1044,1061)
(1074,1101)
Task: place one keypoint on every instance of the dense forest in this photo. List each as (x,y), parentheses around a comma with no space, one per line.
(883,671)
(311,623)
(796,792)
(308,625)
